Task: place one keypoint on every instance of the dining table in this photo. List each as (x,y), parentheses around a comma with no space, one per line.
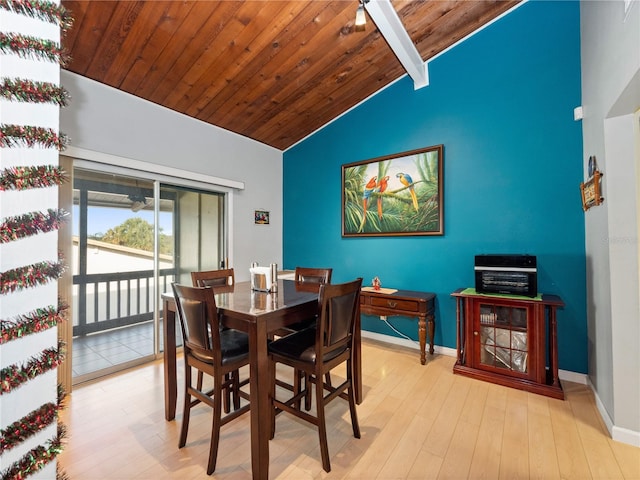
(258,314)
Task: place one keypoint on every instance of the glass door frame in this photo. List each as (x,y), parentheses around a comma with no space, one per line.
(159,179)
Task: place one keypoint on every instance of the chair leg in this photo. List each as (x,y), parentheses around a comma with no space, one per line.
(322,425)
(186,409)
(272,396)
(227,391)
(307,397)
(236,389)
(215,428)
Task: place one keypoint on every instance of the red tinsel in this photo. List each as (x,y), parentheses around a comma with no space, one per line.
(32,223)
(30,136)
(36,321)
(30,276)
(48,11)
(36,458)
(21,90)
(15,375)
(26,46)
(28,426)
(24,178)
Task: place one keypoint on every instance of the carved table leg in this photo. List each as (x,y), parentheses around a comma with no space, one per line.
(422,337)
(432,328)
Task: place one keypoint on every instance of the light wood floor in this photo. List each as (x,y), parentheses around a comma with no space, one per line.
(417,422)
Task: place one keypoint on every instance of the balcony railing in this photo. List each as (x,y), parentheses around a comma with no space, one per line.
(105,301)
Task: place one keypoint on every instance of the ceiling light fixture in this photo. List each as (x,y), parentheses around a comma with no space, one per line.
(361,18)
(138,202)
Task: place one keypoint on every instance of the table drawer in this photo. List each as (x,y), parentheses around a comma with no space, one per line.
(397,304)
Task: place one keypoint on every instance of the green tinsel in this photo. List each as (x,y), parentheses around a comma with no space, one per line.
(21,90)
(24,178)
(15,375)
(48,11)
(26,46)
(36,321)
(37,458)
(28,426)
(30,276)
(29,224)
(29,136)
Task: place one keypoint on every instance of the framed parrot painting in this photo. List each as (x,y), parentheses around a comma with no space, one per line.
(395,195)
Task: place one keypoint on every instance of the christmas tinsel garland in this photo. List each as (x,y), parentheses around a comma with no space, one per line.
(28,426)
(15,375)
(30,276)
(36,458)
(47,11)
(27,135)
(32,223)
(26,46)
(22,90)
(36,321)
(24,178)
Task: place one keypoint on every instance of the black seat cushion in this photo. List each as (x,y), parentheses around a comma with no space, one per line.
(300,346)
(234,345)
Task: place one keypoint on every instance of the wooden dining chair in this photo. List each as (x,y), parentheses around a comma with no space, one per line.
(311,278)
(305,278)
(222,280)
(316,351)
(219,353)
(214,278)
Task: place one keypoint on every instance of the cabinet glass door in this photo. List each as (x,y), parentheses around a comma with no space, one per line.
(503,337)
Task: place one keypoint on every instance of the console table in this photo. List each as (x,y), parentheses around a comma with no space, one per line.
(407,304)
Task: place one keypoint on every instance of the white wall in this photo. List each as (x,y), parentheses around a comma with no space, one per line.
(42,389)
(105,120)
(610,49)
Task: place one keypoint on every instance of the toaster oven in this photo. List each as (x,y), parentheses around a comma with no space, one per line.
(510,274)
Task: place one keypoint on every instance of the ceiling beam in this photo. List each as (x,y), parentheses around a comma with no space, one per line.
(388,22)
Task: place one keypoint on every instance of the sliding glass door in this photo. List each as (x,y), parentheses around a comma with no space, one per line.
(132,237)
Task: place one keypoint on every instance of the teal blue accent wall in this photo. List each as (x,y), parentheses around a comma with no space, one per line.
(502,105)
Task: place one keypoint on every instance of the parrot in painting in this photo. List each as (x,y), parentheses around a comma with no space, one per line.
(382,186)
(368,190)
(406,180)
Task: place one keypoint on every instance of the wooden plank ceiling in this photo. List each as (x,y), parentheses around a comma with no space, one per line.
(274,71)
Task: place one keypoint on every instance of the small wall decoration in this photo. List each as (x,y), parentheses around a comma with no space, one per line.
(591,189)
(261,217)
(395,195)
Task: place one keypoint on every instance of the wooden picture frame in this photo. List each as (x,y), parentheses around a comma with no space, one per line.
(590,191)
(394,195)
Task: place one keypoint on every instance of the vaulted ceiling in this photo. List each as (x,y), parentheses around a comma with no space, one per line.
(274,71)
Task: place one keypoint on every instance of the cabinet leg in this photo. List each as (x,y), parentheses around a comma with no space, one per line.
(431,322)
(422,337)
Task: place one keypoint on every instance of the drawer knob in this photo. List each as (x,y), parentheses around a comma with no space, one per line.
(392,304)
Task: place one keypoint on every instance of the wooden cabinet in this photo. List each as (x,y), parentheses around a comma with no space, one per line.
(405,303)
(508,340)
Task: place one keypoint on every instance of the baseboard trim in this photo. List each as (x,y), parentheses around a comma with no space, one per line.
(403,342)
(618,434)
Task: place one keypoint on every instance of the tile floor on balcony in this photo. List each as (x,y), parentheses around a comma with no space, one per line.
(106,350)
